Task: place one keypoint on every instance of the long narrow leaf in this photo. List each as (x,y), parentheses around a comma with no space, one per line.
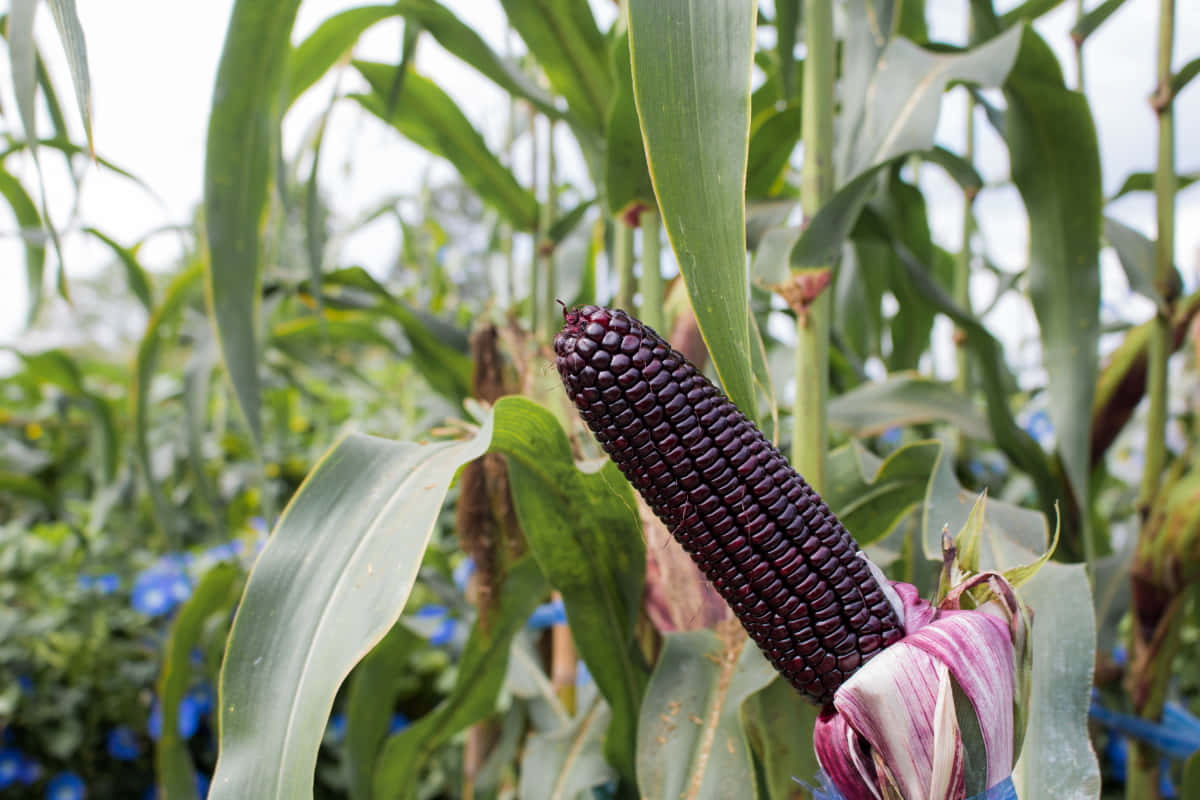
(426,115)
(66,19)
(331,581)
(369,703)
(563,37)
(561,764)
(583,529)
(691,78)
(329,44)
(240,152)
(22,54)
(214,594)
(1055,161)
(1057,760)
(135,275)
(178,294)
(690,738)
(32,236)
(480,678)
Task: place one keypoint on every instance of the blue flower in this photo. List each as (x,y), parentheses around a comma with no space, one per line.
(548,615)
(186,722)
(399,722)
(202,696)
(16,767)
(443,634)
(260,525)
(159,589)
(123,744)
(66,786)
(202,783)
(11,762)
(25,684)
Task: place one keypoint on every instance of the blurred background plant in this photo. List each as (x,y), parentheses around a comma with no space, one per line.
(146,454)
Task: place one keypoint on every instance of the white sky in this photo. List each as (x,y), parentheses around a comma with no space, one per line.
(153,64)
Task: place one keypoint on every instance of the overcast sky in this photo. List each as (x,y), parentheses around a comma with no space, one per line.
(153,63)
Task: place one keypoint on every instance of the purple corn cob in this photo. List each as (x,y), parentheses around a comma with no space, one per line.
(762,536)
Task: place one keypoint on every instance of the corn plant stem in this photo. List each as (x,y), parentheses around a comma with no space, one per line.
(623,265)
(545,247)
(809,434)
(506,231)
(962,267)
(652,282)
(1080,81)
(1164,246)
(534,267)
(1152,665)
(1142,778)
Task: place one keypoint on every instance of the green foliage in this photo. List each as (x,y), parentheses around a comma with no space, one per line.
(410,422)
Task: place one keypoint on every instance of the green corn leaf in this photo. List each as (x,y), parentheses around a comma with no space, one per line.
(905,399)
(243,129)
(589,545)
(32,237)
(326,46)
(438,350)
(904,96)
(1144,182)
(779,723)
(774,134)
(1057,760)
(368,509)
(1136,254)
(872,496)
(898,118)
(175,299)
(301,336)
(215,594)
(22,55)
(1089,22)
(560,764)
(370,699)
(691,77)
(66,19)
(1028,11)
(563,38)
(135,275)
(960,170)
(691,742)
(462,41)
(426,115)
(1055,162)
(626,176)
(1185,75)
(473,698)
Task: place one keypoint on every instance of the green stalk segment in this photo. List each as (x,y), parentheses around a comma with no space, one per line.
(809,437)
(545,247)
(652,282)
(1157,629)
(623,265)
